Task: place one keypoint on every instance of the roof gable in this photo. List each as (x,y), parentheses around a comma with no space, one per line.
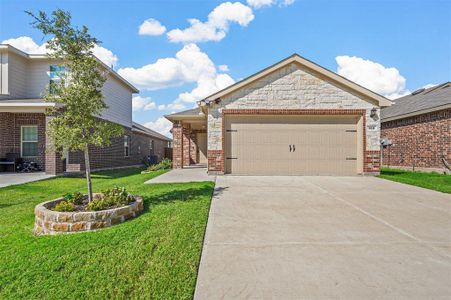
(297,59)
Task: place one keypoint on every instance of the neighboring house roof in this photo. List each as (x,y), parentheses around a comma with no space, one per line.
(195,113)
(419,102)
(44,56)
(147,131)
(296,58)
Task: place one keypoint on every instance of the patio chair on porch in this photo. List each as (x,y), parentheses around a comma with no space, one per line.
(11,160)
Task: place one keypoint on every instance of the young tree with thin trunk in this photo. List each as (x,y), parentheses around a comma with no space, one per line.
(75,124)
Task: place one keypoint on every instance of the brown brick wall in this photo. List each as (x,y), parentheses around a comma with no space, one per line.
(186,144)
(114,155)
(418,141)
(106,157)
(10,132)
(215,161)
(177,146)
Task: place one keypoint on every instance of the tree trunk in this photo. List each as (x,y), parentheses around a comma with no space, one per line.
(88,173)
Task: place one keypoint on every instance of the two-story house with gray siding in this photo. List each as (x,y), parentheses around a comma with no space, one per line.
(23,80)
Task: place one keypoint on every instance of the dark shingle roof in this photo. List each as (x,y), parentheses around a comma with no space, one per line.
(418,101)
(190,112)
(148,131)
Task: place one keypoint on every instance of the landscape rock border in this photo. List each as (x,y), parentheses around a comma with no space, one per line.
(48,221)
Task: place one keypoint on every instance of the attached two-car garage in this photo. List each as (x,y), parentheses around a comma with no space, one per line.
(293,144)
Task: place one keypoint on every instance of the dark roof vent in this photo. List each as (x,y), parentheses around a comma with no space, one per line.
(418,91)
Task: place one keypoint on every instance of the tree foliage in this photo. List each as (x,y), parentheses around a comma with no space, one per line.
(76,122)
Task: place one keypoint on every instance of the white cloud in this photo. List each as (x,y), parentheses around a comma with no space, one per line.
(260,3)
(145,103)
(217,25)
(171,107)
(372,75)
(27,45)
(151,27)
(429,85)
(105,55)
(189,65)
(266,3)
(161,125)
(223,68)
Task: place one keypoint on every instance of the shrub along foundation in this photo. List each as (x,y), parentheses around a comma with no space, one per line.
(48,221)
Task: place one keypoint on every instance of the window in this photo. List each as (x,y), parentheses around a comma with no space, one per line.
(152,147)
(56,75)
(126,145)
(29,141)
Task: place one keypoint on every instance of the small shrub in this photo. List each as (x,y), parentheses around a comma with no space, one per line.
(75,198)
(64,206)
(117,196)
(165,164)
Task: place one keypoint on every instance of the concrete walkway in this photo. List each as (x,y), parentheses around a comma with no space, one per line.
(325,238)
(189,174)
(7,179)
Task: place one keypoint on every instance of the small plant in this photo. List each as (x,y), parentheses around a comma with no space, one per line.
(64,206)
(165,164)
(75,198)
(115,197)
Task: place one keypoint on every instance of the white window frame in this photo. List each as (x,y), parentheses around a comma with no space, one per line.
(127,147)
(22,141)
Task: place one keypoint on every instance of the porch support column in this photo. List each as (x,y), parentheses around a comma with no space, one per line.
(53,159)
(186,144)
(177,145)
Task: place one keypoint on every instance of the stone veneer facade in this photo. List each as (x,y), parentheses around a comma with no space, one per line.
(419,141)
(293,88)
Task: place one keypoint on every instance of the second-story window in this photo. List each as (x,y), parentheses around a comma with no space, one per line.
(56,76)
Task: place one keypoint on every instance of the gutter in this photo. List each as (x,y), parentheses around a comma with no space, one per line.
(416,113)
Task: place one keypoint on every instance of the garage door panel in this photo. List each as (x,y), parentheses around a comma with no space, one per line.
(320,145)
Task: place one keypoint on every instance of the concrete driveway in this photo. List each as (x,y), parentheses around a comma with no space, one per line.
(325,237)
(7,179)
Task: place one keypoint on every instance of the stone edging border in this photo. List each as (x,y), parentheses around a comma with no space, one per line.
(53,222)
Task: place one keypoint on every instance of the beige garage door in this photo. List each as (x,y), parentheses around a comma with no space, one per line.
(291,145)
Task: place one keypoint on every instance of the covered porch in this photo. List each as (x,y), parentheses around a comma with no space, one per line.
(23,137)
(190,142)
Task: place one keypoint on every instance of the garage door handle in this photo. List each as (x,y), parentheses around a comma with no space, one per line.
(294,148)
(290,148)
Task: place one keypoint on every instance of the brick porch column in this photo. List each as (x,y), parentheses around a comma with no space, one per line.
(177,145)
(53,161)
(186,144)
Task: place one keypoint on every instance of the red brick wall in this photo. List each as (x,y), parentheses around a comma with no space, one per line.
(193,157)
(114,155)
(186,144)
(10,134)
(215,161)
(177,146)
(418,141)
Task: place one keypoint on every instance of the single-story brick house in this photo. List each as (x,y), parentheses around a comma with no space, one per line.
(23,119)
(419,128)
(292,118)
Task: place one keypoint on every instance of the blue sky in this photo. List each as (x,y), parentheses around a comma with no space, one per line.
(392,47)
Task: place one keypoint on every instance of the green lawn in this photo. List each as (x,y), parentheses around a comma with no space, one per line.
(154,256)
(432,181)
